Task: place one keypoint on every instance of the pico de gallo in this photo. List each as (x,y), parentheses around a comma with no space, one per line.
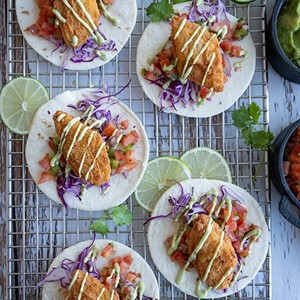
(119,136)
(45,24)
(163,66)
(291,163)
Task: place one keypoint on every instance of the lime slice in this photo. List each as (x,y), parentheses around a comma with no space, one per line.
(19,100)
(160,175)
(207,163)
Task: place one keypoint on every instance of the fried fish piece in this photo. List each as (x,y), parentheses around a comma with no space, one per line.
(214,74)
(73,27)
(92,288)
(83,155)
(225,259)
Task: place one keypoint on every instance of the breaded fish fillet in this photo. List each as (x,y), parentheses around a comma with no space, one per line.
(92,288)
(214,77)
(84,152)
(73,27)
(225,259)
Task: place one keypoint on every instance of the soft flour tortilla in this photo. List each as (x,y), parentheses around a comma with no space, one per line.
(156,35)
(37,147)
(160,229)
(27,14)
(53,290)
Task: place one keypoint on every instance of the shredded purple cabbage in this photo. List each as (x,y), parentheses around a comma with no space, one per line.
(206,10)
(68,266)
(179,203)
(157,217)
(71,183)
(85,53)
(176,92)
(225,190)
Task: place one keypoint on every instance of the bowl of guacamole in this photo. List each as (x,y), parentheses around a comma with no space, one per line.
(283,39)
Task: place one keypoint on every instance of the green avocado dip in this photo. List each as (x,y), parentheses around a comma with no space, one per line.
(288,30)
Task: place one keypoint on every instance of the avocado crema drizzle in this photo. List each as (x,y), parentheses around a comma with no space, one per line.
(187,70)
(78,137)
(96,36)
(255,233)
(139,289)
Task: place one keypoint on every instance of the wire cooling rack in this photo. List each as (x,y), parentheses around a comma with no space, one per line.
(38,229)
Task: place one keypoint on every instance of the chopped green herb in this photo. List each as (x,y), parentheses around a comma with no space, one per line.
(129,147)
(100,226)
(160,11)
(247,119)
(121,215)
(114,163)
(144,72)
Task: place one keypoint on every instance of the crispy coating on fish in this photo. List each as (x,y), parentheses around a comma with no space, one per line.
(74,27)
(214,78)
(225,259)
(84,151)
(92,288)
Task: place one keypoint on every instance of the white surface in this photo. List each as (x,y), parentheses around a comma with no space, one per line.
(284,98)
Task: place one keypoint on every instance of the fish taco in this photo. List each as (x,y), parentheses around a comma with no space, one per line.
(77,34)
(214,238)
(86,150)
(99,269)
(198,63)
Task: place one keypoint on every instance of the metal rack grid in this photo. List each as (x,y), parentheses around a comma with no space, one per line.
(38,229)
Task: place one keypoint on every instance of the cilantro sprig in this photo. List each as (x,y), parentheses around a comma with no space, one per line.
(162,10)
(121,215)
(247,119)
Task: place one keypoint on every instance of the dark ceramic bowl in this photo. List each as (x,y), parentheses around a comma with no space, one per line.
(276,56)
(288,198)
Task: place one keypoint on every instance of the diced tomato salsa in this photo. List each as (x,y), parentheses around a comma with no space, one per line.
(128,278)
(291,163)
(45,24)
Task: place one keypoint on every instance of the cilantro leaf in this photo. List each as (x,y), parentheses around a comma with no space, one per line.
(100,226)
(241,117)
(121,215)
(247,119)
(255,112)
(160,11)
(261,139)
(257,139)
